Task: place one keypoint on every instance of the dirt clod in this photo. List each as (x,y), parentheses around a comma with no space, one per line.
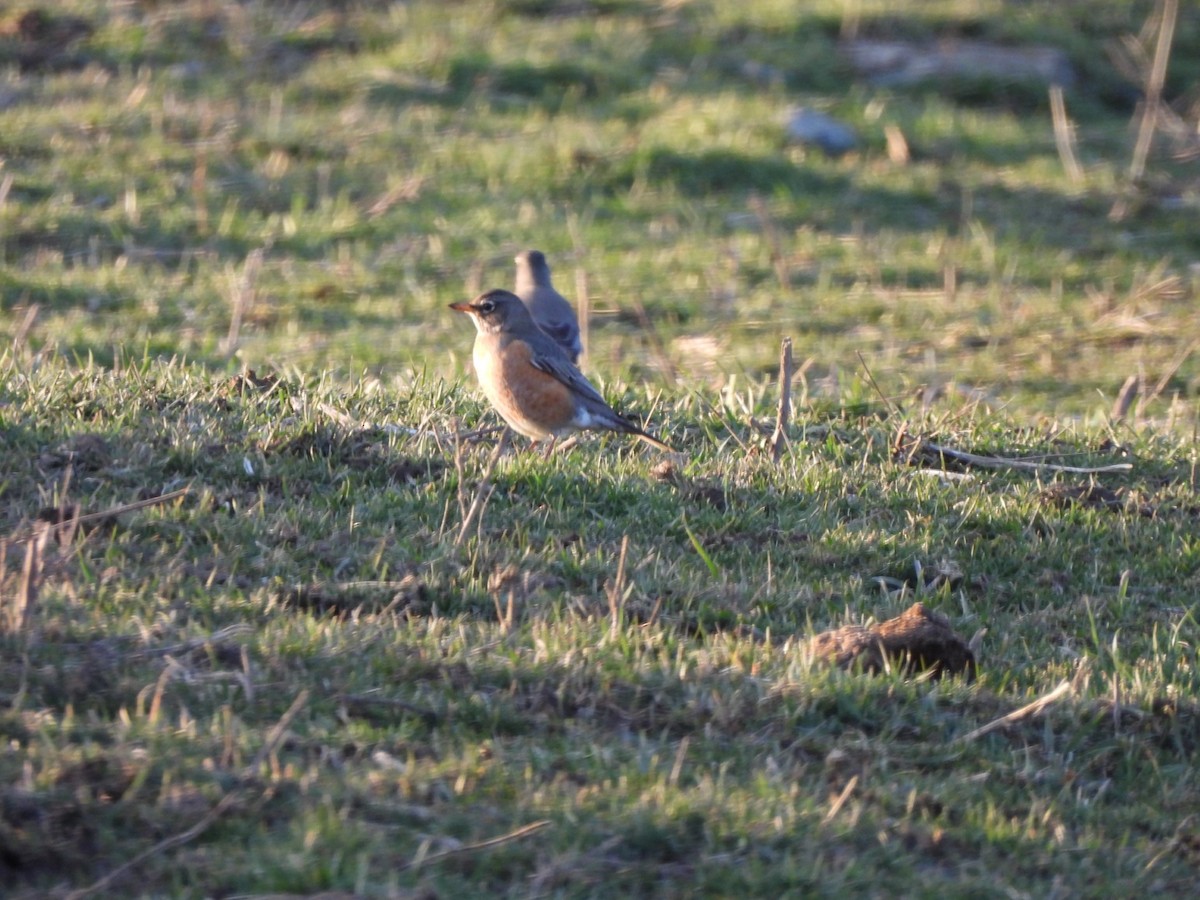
(917,639)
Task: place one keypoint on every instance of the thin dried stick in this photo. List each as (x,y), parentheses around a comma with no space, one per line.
(1183,832)
(1064,136)
(896,410)
(242,294)
(20,613)
(505,618)
(1152,104)
(461,488)
(275,735)
(785,400)
(1161,385)
(1154,87)
(22,333)
(999,462)
(616,590)
(677,767)
(483,492)
(111,512)
(897,145)
(838,803)
(407,190)
(175,840)
(1125,398)
(522,832)
(1030,709)
(31,579)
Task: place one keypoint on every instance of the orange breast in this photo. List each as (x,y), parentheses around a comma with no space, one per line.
(534,403)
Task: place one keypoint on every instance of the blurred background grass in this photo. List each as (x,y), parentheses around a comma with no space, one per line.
(386,159)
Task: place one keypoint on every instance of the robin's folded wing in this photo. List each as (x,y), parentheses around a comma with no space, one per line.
(562,369)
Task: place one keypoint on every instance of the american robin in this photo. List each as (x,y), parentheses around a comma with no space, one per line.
(530,379)
(550,310)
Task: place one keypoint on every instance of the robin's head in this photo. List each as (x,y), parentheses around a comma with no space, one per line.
(496,310)
(531,265)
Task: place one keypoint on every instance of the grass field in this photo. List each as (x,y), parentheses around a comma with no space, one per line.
(328,642)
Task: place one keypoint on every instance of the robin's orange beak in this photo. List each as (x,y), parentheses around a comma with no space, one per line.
(462,307)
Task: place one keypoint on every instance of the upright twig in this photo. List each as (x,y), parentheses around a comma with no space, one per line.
(1152,103)
(21,611)
(505,616)
(483,492)
(897,145)
(887,401)
(616,591)
(1168,11)
(23,329)
(1064,135)
(1125,397)
(461,490)
(1161,385)
(784,414)
(276,734)
(241,297)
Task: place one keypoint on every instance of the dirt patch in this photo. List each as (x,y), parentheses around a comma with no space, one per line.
(918,640)
(85,452)
(409,596)
(41,41)
(1065,496)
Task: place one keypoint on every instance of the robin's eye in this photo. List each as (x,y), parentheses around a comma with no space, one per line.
(487,306)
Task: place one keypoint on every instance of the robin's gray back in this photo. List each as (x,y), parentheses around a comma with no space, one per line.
(550,310)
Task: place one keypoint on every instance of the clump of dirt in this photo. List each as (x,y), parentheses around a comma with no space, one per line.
(42,41)
(250,382)
(56,830)
(918,640)
(1065,496)
(410,597)
(85,452)
(699,492)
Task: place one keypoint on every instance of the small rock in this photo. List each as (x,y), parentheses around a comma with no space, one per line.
(816,129)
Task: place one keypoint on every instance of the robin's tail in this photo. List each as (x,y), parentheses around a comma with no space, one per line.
(651,440)
(604,417)
(631,428)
